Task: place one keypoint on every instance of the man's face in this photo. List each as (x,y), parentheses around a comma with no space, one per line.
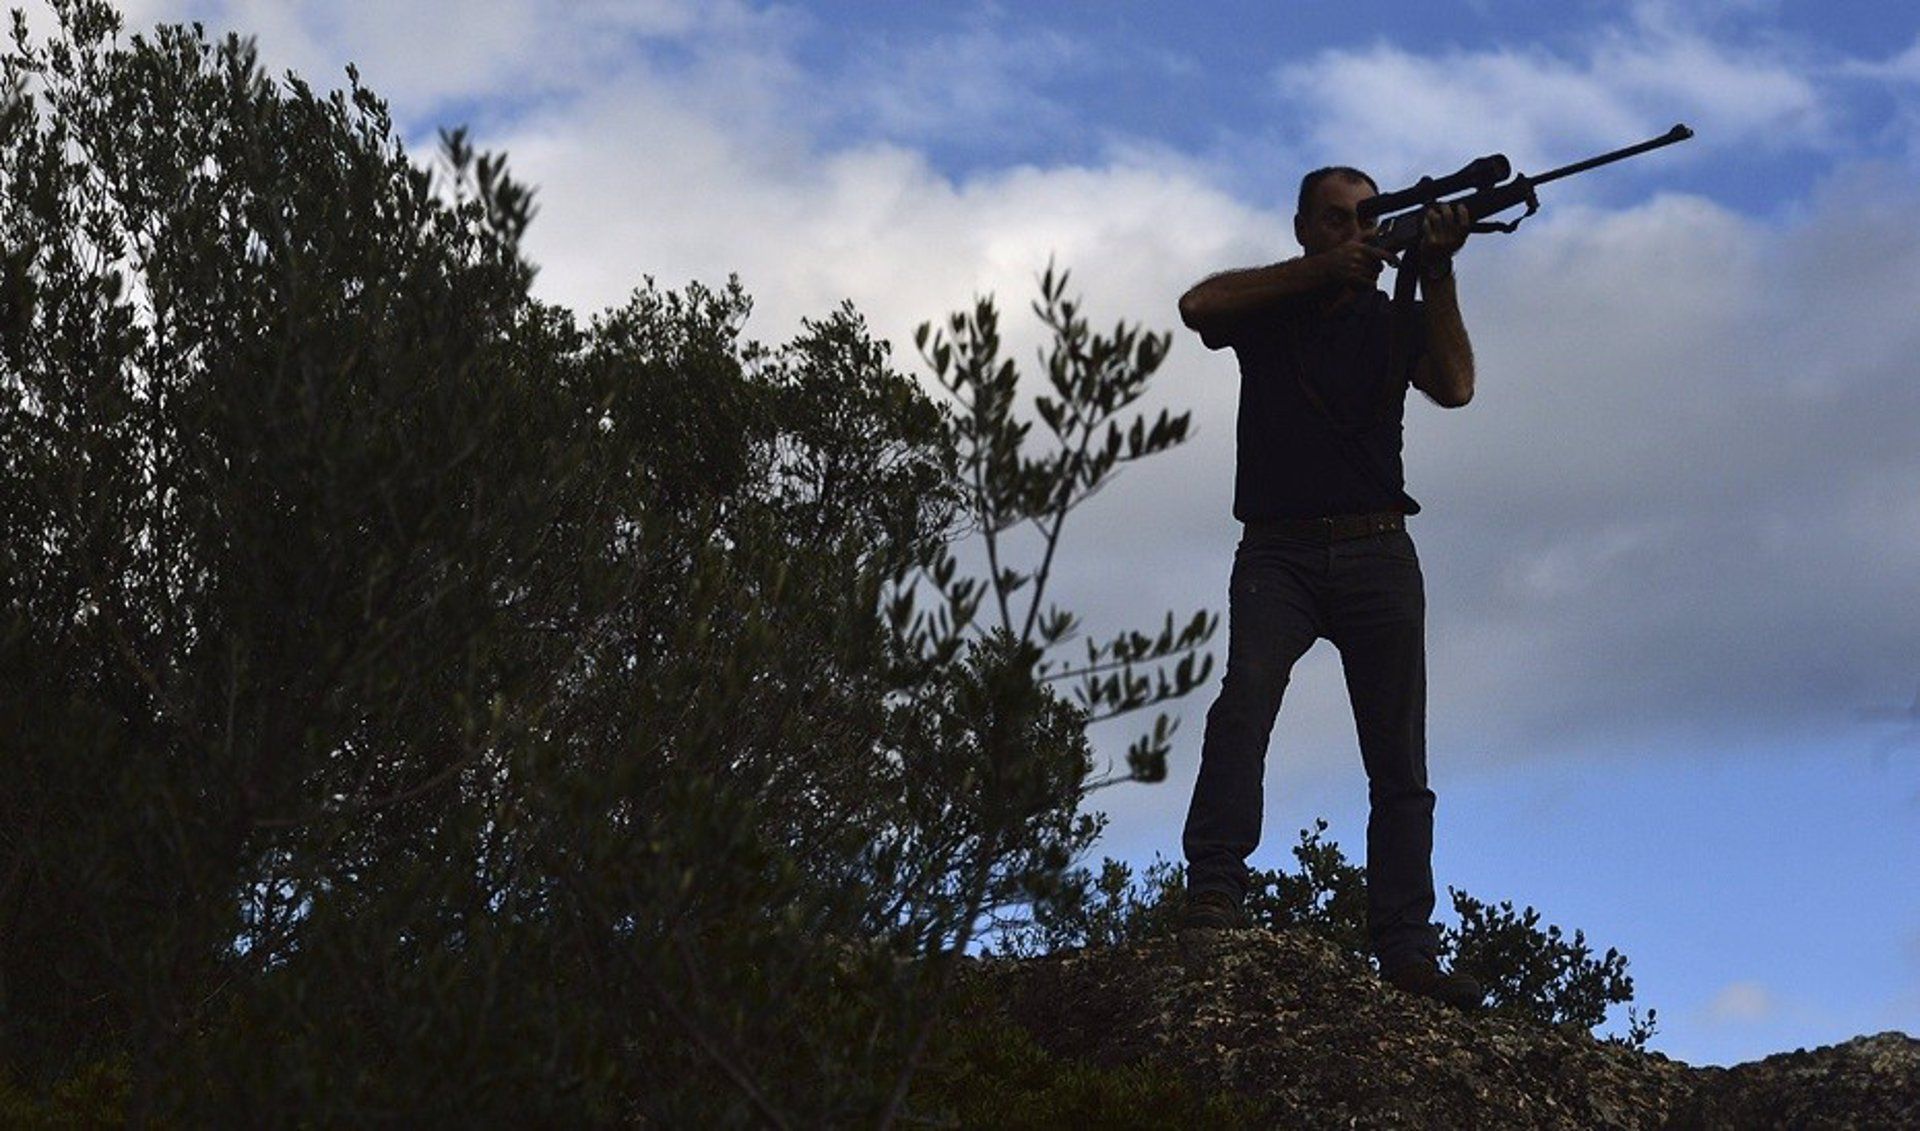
(1332,216)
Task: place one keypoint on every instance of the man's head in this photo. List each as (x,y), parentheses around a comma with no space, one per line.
(1327,214)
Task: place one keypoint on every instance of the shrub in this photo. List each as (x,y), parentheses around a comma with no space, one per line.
(1529,971)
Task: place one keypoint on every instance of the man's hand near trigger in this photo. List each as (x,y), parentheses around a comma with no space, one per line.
(1353,265)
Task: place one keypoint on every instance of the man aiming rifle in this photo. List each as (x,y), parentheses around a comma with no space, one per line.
(1325,363)
(1326,553)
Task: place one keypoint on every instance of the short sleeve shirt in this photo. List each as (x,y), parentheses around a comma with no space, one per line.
(1319,429)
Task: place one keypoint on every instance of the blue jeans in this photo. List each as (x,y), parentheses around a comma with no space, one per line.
(1365,595)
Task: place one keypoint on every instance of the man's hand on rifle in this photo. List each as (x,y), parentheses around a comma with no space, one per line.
(1443,231)
(1355,264)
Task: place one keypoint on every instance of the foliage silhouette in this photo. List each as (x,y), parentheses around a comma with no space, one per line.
(423,702)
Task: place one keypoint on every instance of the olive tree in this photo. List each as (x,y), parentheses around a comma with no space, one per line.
(422,702)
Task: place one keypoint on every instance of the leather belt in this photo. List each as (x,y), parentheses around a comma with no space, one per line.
(1338,528)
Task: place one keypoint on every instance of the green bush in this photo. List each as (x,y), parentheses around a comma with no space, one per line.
(1543,974)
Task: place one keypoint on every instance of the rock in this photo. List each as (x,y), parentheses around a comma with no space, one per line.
(1313,1038)
(1866,1082)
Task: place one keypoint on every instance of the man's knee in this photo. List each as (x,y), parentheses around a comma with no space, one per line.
(1253,685)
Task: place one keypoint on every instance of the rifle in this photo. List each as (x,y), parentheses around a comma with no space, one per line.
(1399,212)
(1398,215)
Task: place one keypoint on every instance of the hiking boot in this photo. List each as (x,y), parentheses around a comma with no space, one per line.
(1422,978)
(1212,911)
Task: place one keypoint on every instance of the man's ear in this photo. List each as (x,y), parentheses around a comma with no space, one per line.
(1299,231)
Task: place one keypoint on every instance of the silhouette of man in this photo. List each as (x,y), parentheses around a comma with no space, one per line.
(1325,361)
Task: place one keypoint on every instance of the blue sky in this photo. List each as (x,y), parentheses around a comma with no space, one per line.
(1670,547)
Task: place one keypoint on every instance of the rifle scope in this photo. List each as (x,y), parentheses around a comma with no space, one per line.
(1483,173)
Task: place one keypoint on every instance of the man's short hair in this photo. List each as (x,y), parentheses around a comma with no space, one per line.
(1344,172)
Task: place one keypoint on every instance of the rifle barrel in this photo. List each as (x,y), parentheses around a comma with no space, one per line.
(1677,133)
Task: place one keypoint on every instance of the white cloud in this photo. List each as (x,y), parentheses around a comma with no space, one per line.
(1742,1003)
(1568,567)
(1409,111)
(427,55)
(1413,113)
(1901,68)
(979,81)
(634,184)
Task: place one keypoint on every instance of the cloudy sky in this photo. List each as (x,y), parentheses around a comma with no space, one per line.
(1670,547)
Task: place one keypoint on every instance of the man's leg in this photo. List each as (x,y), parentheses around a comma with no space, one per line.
(1377,618)
(1271,621)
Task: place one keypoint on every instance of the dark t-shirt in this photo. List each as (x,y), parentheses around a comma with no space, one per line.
(1293,461)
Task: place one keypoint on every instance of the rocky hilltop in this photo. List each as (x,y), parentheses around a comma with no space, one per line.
(1312,1039)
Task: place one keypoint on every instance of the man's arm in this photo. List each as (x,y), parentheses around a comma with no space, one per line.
(1445,370)
(1214,304)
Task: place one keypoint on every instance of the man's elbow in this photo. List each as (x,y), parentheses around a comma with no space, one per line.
(1444,387)
(1193,310)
